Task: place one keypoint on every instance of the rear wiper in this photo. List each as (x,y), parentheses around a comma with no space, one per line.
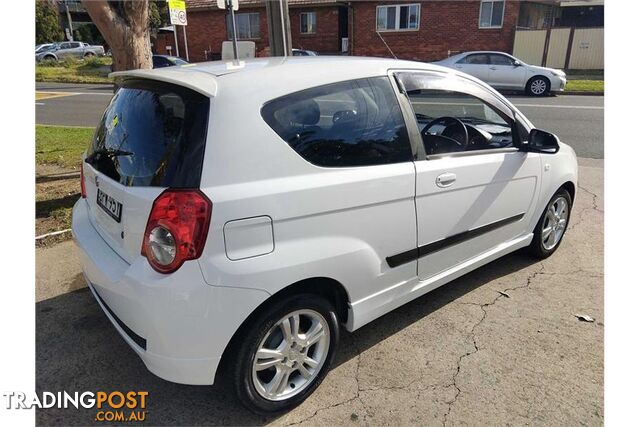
(109,152)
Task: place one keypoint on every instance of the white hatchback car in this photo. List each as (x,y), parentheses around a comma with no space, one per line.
(503,71)
(234,216)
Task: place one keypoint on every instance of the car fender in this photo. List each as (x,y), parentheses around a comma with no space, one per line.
(556,170)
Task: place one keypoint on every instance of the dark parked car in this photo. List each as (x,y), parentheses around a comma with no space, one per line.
(161,61)
(303,52)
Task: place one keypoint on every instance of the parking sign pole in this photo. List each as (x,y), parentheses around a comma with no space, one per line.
(233,29)
(175,37)
(186,48)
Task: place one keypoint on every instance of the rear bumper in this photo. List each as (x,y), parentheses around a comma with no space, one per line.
(176,323)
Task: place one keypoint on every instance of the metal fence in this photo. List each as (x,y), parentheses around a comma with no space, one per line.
(567,48)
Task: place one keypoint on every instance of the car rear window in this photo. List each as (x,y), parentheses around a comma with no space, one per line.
(152,134)
(351,123)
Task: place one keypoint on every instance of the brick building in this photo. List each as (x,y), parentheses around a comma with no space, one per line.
(430,30)
(423,30)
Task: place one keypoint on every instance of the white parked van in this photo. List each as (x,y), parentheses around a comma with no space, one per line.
(235,215)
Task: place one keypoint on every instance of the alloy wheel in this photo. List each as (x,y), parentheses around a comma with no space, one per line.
(538,87)
(291,355)
(555,222)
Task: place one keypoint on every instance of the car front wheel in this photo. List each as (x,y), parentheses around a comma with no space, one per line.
(552,225)
(538,86)
(286,353)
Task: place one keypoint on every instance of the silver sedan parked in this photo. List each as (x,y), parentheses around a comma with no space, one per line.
(503,71)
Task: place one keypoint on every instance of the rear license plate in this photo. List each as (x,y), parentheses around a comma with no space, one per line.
(110,205)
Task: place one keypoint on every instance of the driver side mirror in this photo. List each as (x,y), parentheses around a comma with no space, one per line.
(541,141)
(517,63)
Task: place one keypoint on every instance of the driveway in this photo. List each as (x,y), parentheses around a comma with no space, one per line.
(498,346)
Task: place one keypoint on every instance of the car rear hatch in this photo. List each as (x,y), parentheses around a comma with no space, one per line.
(151,137)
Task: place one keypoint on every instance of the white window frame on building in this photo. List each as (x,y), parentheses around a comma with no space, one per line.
(310,19)
(239,27)
(492,5)
(397,10)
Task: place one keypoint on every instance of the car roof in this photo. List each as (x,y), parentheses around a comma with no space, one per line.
(301,71)
(460,55)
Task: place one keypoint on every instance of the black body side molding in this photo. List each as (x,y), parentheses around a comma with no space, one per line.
(429,248)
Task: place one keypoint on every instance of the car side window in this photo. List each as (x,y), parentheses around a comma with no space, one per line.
(75,45)
(64,45)
(352,123)
(500,60)
(451,121)
(476,59)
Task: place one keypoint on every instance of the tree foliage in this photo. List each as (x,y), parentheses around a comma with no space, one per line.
(47,25)
(158,14)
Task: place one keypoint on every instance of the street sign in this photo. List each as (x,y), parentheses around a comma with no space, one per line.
(177,12)
(222,4)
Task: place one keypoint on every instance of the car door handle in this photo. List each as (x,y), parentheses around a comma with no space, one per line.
(492,68)
(445,180)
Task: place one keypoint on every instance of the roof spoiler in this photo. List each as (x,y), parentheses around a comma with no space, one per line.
(198,81)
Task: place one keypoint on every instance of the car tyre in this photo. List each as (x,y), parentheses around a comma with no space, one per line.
(257,386)
(552,225)
(89,55)
(538,86)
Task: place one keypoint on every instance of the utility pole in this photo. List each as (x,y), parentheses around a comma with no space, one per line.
(279,27)
(66,8)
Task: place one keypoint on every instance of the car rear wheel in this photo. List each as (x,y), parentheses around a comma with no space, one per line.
(89,54)
(538,86)
(552,225)
(286,353)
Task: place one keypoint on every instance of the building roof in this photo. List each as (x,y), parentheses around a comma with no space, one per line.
(212,4)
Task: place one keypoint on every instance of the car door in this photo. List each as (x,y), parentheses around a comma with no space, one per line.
(504,73)
(64,51)
(475,64)
(473,200)
(77,50)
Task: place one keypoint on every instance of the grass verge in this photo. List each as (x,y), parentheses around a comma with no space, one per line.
(585,86)
(91,70)
(61,145)
(58,153)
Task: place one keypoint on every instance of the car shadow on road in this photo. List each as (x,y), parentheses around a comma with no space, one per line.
(77,349)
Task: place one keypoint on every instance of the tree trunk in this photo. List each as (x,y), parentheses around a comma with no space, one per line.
(125,27)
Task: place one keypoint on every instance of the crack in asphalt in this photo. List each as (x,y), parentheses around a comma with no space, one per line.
(360,389)
(476,348)
(594,206)
(345,402)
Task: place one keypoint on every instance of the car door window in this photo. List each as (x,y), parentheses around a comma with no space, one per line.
(65,45)
(451,121)
(353,123)
(500,60)
(475,59)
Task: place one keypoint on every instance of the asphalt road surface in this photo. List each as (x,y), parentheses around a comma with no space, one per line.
(577,120)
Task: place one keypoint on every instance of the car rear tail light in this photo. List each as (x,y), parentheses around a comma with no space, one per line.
(177,229)
(83,190)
